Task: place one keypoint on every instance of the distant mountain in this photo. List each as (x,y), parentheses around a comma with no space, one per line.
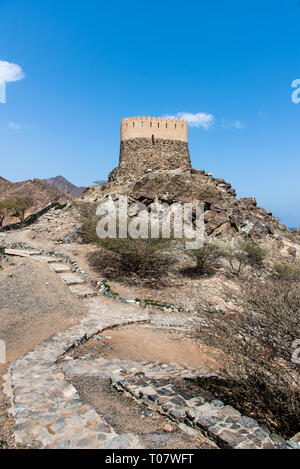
(42,193)
(36,188)
(64,185)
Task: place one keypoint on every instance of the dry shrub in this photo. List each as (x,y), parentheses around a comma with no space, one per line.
(177,185)
(206,258)
(288,271)
(247,253)
(254,253)
(21,205)
(144,257)
(140,256)
(5,207)
(88,221)
(259,377)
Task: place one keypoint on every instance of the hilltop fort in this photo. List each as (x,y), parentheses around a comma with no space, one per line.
(150,143)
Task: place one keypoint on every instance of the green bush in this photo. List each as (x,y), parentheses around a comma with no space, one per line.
(254,253)
(21,205)
(248,253)
(206,258)
(288,271)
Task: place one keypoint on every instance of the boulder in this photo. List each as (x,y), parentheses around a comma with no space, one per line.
(249,202)
(217,220)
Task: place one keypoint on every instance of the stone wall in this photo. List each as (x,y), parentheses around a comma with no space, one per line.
(139,155)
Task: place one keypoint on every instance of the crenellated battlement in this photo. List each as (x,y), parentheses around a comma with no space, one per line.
(157,127)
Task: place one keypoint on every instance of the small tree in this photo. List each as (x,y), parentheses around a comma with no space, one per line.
(21,205)
(5,207)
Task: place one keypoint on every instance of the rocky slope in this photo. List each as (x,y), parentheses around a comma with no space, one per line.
(226,217)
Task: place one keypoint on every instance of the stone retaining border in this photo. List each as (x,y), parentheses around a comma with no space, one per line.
(219,422)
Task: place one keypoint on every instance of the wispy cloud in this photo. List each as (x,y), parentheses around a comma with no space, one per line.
(229,125)
(14,126)
(205,120)
(10,72)
(199,119)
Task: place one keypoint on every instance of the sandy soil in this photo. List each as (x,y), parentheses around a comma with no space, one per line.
(33,305)
(146,342)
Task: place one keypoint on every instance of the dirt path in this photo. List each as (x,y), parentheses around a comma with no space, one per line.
(33,306)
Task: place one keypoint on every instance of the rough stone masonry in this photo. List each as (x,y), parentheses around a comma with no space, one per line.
(149,143)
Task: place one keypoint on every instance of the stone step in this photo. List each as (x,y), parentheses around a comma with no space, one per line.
(82,291)
(71,278)
(60,268)
(48,259)
(21,252)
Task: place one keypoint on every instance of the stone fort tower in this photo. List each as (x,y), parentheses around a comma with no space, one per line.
(151,143)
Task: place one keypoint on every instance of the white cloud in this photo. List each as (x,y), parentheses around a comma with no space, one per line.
(199,119)
(10,72)
(13,126)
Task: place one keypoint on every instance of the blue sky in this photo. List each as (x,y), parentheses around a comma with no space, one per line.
(89,64)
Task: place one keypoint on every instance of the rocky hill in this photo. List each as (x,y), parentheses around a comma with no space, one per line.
(226,217)
(61,183)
